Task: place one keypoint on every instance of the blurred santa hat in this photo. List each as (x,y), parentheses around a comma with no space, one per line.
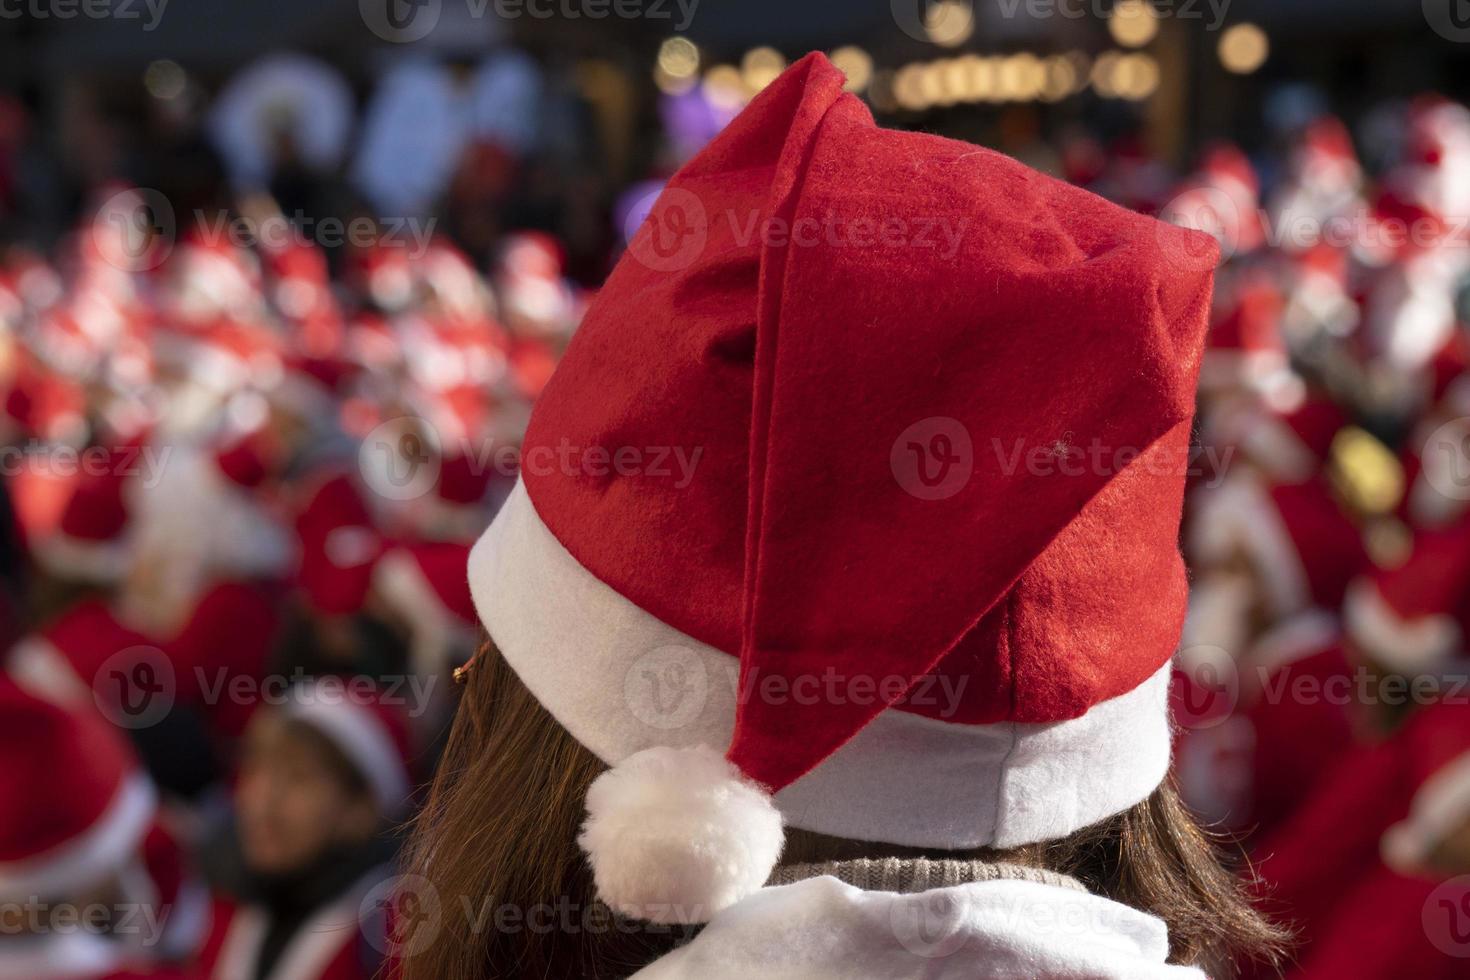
(339,547)
(92,541)
(534,295)
(87,805)
(1414,618)
(368,725)
(1435,759)
(1222,198)
(1244,347)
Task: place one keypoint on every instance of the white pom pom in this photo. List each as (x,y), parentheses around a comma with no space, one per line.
(676,835)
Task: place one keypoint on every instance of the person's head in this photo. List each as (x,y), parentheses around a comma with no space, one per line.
(504,811)
(760,561)
(322,773)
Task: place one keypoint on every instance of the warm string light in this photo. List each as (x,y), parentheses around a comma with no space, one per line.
(915,87)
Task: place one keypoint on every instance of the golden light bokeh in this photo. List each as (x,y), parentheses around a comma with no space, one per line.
(1244,48)
(724,86)
(949,23)
(1134,23)
(760,67)
(856,64)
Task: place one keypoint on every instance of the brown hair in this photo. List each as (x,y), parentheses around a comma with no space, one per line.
(497,842)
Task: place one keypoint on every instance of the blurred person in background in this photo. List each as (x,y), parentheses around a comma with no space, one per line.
(323,777)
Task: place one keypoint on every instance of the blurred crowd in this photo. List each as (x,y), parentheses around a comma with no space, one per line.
(243,465)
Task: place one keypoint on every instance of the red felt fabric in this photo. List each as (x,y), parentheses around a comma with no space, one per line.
(1045,320)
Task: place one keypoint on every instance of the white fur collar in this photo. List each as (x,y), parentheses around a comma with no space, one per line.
(823,929)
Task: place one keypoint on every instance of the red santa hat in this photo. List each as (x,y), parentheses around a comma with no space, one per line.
(246,459)
(86,806)
(783,460)
(368,726)
(91,541)
(339,546)
(1415,617)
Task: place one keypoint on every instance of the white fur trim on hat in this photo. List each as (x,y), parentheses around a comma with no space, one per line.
(1402,645)
(1440,807)
(358,735)
(78,864)
(655,820)
(621,681)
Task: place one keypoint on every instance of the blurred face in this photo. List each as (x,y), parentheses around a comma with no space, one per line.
(293,801)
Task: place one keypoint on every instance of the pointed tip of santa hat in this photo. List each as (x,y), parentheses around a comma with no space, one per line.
(676,835)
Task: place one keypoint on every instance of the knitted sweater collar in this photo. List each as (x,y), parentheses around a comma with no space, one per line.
(909,876)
